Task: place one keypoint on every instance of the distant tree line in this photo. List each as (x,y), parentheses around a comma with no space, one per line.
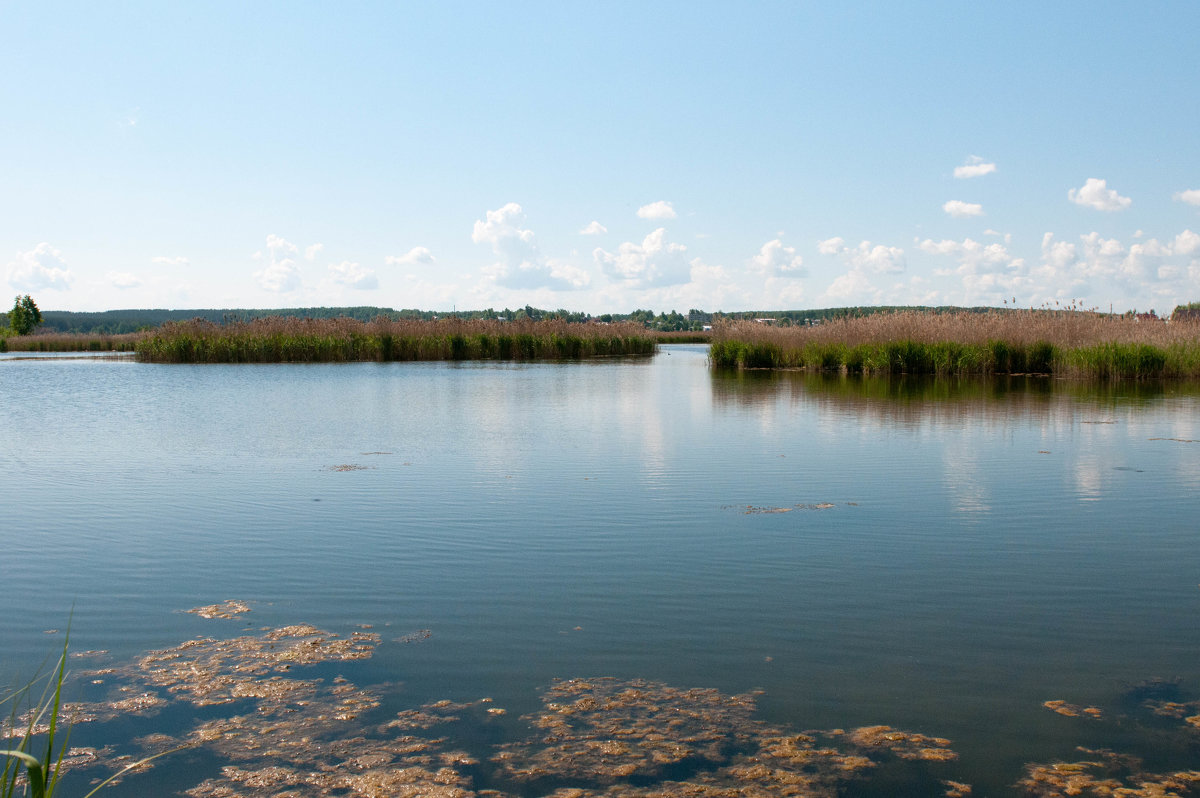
(115,322)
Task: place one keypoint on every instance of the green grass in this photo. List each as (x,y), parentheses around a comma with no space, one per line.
(40,753)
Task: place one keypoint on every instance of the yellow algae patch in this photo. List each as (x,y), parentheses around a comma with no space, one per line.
(1072,710)
(904,744)
(208,671)
(227,609)
(1107,774)
(956,789)
(606,730)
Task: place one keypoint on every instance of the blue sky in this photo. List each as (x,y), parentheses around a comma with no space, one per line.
(599,157)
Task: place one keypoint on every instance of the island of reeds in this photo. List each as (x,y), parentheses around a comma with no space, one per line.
(1068,343)
(293,340)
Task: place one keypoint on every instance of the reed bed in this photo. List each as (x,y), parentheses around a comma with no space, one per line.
(1070,343)
(292,340)
(71,342)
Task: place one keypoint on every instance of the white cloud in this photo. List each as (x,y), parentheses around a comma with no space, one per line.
(281,274)
(122,280)
(865,257)
(40,268)
(657,210)
(594,228)
(1096,194)
(831,246)
(974,167)
(960,210)
(176,261)
(280,277)
(1186,243)
(853,285)
(776,259)
(1058,255)
(415,256)
(1191,196)
(653,262)
(279,244)
(522,265)
(502,230)
(974,257)
(864,260)
(312,250)
(354,276)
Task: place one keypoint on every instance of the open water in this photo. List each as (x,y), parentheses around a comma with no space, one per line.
(940,557)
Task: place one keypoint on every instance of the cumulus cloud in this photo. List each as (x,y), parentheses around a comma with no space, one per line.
(281,274)
(657,210)
(862,261)
(974,167)
(593,228)
(176,261)
(960,210)
(414,257)
(974,257)
(655,261)
(502,229)
(1191,196)
(865,257)
(1095,193)
(312,250)
(1186,243)
(279,244)
(1146,271)
(353,275)
(122,280)
(1057,255)
(39,268)
(521,264)
(776,259)
(853,284)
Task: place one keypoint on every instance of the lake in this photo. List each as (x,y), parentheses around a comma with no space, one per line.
(739,571)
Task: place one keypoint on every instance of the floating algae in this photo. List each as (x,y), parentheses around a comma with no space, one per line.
(349,467)
(415,637)
(754,510)
(1072,710)
(906,745)
(227,609)
(287,734)
(1106,774)
(209,671)
(608,732)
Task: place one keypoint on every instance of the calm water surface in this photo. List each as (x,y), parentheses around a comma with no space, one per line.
(951,556)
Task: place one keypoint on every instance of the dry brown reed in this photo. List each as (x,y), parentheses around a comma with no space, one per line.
(1073,342)
(73,342)
(1064,329)
(289,339)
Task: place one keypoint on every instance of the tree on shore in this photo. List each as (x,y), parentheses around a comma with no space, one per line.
(25,316)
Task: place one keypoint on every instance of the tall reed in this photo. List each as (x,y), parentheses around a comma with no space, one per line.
(279,340)
(1067,343)
(71,342)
